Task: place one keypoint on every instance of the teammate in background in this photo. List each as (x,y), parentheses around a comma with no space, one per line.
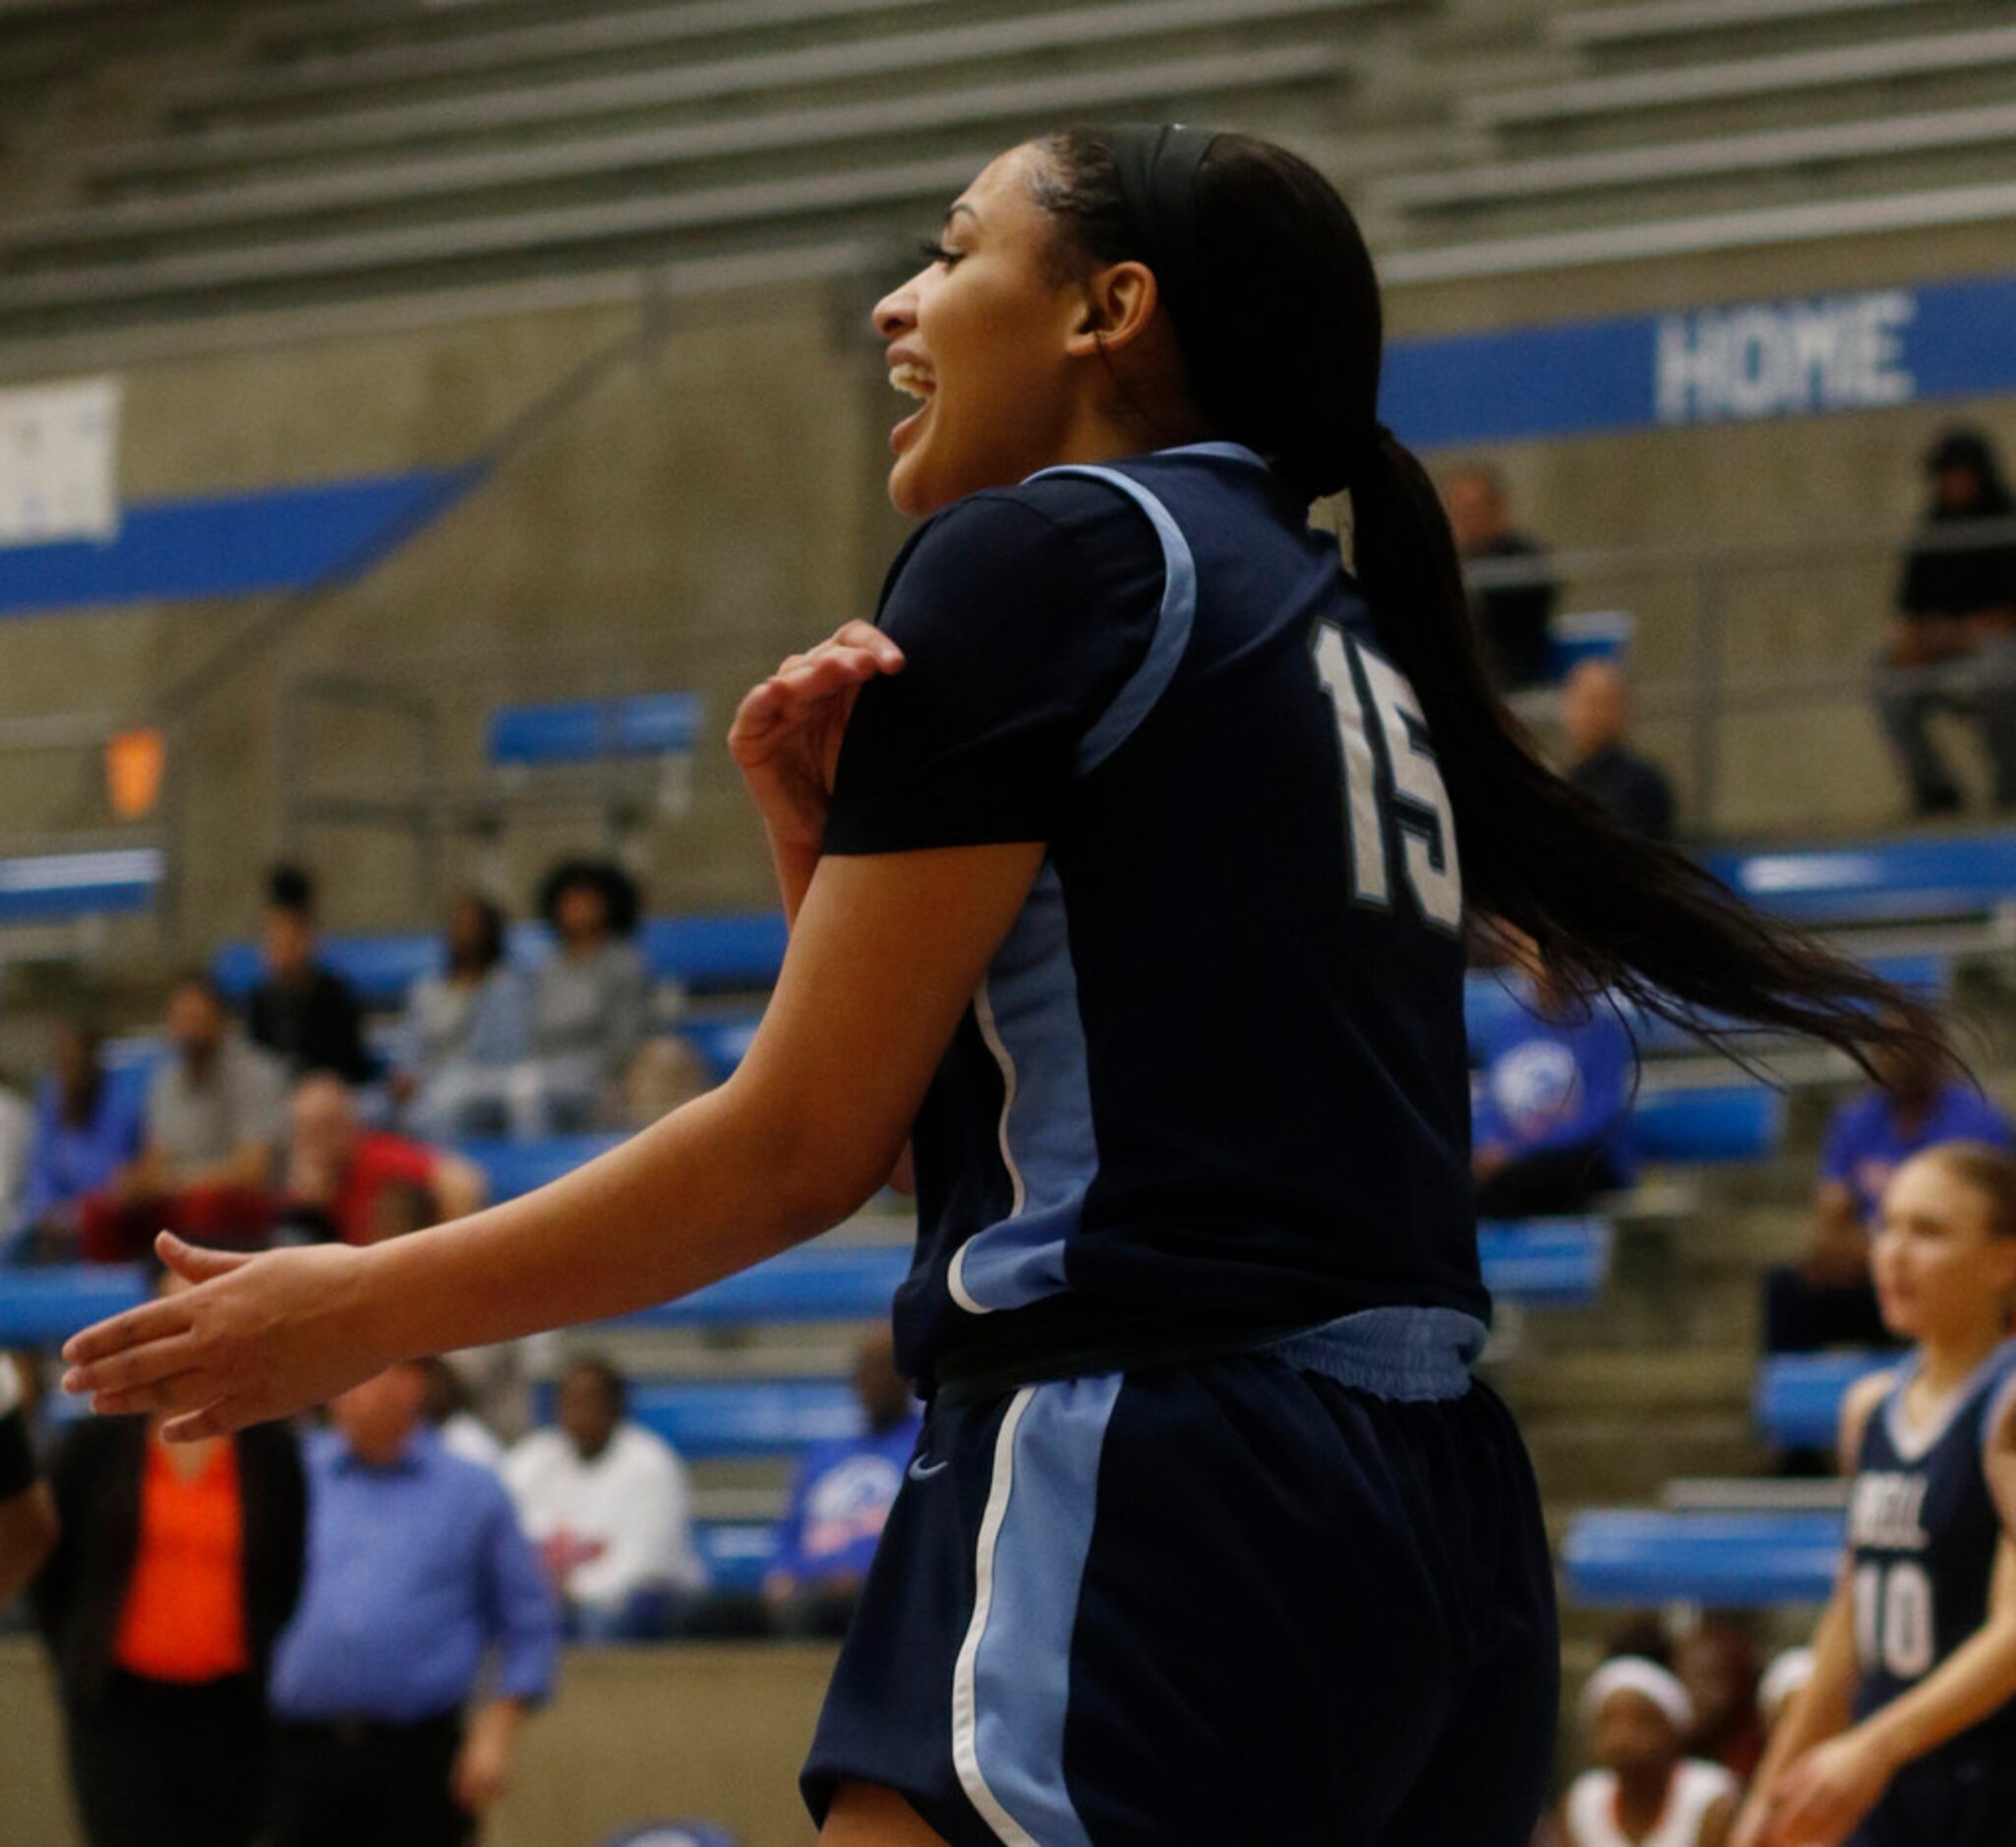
(28,1516)
(1906,1734)
(1127,863)
(1645,1791)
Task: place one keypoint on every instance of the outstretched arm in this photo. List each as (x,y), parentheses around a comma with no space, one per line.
(887,953)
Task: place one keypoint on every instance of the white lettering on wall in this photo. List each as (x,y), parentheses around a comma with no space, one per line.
(1786,359)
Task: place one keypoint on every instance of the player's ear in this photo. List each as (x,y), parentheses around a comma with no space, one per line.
(1118,302)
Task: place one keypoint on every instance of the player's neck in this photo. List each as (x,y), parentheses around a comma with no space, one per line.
(1642,1798)
(1106,432)
(1946,1364)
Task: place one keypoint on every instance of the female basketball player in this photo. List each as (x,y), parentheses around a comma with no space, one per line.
(1906,1733)
(1122,861)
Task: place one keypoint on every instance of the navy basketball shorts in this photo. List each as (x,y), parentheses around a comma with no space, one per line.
(1963,1798)
(1235,1602)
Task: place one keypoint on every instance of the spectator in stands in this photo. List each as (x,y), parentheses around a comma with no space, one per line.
(1952,644)
(590,1001)
(463,1029)
(1717,1664)
(449,1410)
(840,1501)
(213,1122)
(417,1570)
(1826,1298)
(1512,593)
(27,1512)
(606,1503)
(338,1172)
(1595,713)
(1644,1789)
(85,1129)
(1551,1119)
(177,1567)
(303,1013)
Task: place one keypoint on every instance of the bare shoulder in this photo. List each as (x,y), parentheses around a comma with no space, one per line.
(1857,1405)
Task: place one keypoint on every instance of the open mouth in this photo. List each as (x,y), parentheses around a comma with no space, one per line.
(913,381)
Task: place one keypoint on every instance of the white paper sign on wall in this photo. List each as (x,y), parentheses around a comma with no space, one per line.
(59,462)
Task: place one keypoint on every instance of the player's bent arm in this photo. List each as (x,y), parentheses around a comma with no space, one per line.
(887,954)
(1824,1706)
(28,1535)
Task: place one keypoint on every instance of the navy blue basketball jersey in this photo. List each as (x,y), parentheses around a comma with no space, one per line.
(1923,1530)
(1214,1081)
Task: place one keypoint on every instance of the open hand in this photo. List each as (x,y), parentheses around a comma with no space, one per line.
(1823,1794)
(261,1336)
(787,731)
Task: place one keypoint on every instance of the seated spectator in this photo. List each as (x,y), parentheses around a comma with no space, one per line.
(338,1172)
(1784,1679)
(212,1127)
(840,1501)
(85,1131)
(590,1002)
(473,1019)
(1595,712)
(302,1013)
(1512,593)
(1644,1791)
(1717,1664)
(606,1503)
(1952,644)
(449,1410)
(388,1728)
(1551,1124)
(1826,1298)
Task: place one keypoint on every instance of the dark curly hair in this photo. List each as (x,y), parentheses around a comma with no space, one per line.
(620,899)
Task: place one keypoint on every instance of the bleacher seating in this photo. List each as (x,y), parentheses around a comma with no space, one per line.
(1799,1394)
(1725,1560)
(61,887)
(588,730)
(1879,881)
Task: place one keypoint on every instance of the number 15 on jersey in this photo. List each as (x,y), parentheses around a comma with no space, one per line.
(1392,773)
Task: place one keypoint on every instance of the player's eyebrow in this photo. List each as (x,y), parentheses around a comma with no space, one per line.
(958,207)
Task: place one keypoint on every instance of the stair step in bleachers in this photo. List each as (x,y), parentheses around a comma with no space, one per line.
(60,887)
(1723,1561)
(1645,22)
(663,156)
(1799,1394)
(1886,62)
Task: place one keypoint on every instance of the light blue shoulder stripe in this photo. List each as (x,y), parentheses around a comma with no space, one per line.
(1173,622)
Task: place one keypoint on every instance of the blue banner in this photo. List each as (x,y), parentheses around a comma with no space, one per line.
(230,545)
(1802,356)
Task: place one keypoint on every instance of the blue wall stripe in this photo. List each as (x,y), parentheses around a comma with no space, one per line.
(1021,1670)
(1743,362)
(231,545)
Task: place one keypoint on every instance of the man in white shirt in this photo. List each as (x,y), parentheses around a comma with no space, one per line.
(606,1504)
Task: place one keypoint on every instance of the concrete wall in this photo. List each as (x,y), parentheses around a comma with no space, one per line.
(634,1735)
(714,499)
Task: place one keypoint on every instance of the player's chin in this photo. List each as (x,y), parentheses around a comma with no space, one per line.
(915,488)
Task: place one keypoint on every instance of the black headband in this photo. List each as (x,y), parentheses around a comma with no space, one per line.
(1156,168)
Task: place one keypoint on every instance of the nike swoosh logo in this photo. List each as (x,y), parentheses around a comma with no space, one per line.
(918,1470)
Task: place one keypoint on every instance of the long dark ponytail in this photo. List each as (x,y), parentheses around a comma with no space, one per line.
(1275,307)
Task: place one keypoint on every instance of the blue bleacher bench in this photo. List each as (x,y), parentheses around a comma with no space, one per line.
(1492,1006)
(588,730)
(1546,1263)
(1589,635)
(57,888)
(816,1282)
(1725,1560)
(1718,1122)
(1798,1399)
(516,1167)
(740,1417)
(726,953)
(1880,881)
(737,1552)
(46,1307)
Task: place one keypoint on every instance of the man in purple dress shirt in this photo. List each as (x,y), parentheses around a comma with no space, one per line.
(417,1572)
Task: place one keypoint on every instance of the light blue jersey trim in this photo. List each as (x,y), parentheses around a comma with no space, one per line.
(1027,1015)
(1415,1355)
(1012,1681)
(1173,622)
